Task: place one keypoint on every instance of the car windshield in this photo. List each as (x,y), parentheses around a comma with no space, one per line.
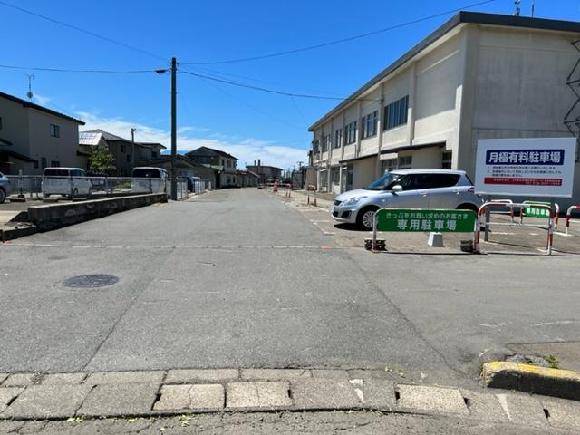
(146,173)
(385,182)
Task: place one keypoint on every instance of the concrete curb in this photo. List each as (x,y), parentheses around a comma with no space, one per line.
(529,378)
(61,396)
(11,233)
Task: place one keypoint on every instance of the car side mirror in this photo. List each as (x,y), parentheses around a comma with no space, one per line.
(397,188)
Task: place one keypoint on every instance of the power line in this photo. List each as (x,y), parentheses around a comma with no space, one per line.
(266,90)
(79,29)
(343,40)
(82,71)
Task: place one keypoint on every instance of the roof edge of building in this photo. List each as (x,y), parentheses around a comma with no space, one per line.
(462,17)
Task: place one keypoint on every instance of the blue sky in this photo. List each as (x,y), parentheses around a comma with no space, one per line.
(247,123)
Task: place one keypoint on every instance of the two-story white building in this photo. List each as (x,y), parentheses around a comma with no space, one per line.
(33,137)
(478,76)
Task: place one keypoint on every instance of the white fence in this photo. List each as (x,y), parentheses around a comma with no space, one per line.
(84,187)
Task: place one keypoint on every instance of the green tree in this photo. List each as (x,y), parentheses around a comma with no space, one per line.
(101,160)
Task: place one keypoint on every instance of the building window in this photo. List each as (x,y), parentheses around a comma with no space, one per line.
(405,162)
(153,154)
(389,165)
(350,133)
(369,125)
(43,162)
(55,164)
(396,113)
(326,141)
(35,164)
(446,159)
(54,130)
(1,123)
(338,138)
(128,158)
(122,147)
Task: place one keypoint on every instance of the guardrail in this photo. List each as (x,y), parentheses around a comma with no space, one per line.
(550,213)
(569,215)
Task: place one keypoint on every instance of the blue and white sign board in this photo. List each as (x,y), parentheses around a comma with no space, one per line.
(526,167)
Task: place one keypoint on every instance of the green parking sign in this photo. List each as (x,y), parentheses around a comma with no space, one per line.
(425,220)
(536,212)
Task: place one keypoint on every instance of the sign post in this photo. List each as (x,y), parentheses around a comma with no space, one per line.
(423,220)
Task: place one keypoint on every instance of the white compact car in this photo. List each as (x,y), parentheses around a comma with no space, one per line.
(406,188)
(69,182)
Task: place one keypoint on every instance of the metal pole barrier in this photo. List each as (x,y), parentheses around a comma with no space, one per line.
(550,233)
(557,213)
(476,234)
(374,240)
(487,217)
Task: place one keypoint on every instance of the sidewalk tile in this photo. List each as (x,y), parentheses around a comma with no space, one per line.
(124,377)
(522,408)
(48,401)
(563,413)
(431,399)
(484,406)
(274,374)
(21,379)
(7,395)
(63,378)
(116,400)
(258,395)
(200,376)
(3,377)
(199,397)
(324,394)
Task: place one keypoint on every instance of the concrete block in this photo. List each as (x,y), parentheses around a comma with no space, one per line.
(64,378)
(484,406)
(258,395)
(200,376)
(124,377)
(117,400)
(435,240)
(369,374)
(379,394)
(7,395)
(21,379)
(198,397)
(209,397)
(431,399)
(47,401)
(324,394)
(532,379)
(274,374)
(521,408)
(563,414)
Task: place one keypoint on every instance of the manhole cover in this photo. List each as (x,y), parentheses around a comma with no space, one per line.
(91,281)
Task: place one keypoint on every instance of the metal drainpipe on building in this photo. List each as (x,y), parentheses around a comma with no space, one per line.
(380,129)
(358,130)
(341,164)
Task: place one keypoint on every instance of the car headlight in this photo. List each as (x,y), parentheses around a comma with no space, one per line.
(352,201)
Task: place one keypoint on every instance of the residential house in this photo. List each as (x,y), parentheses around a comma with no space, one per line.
(478,76)
(126,154)
(33,137)
(223,163)
(247,178)
(184,167)
(266,174)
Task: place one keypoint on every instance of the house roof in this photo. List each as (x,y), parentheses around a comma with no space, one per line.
(458,19)
(167,158)
(38,107)
(205,151)
(152,145)
(93,137)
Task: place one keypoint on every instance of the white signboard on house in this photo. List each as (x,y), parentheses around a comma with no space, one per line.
(526,167)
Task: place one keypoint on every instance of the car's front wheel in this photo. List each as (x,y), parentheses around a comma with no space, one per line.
(365,218)
(2,196)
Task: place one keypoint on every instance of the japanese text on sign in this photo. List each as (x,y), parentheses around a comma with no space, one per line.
(426,220)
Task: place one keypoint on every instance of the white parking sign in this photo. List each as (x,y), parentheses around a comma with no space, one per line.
(526,167)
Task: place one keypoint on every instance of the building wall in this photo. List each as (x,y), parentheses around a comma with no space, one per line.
(14,126)
(519,90)
(363,172)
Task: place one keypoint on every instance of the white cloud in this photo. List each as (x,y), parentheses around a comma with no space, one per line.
(189,138)
(41,99)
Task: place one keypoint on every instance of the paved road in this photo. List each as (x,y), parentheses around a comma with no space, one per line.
(237,279)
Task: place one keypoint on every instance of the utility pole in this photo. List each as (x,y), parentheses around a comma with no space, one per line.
(133,148)
(173,127)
